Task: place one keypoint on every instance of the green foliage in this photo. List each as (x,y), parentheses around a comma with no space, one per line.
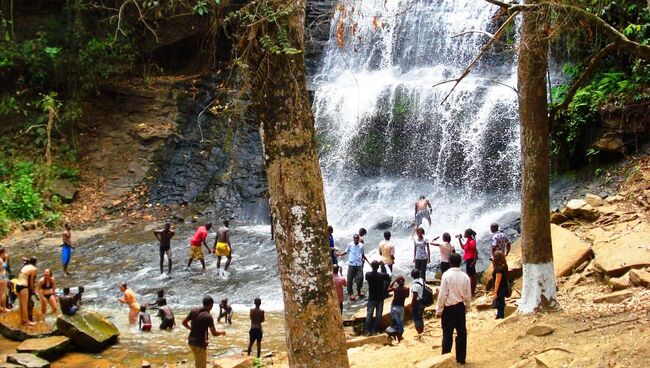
(19,199)
(202,7)
(258,363)
(619,79)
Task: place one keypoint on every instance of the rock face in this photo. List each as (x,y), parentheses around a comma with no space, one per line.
(28,360)
(234,362)
(640,278)
(11,327)
(558,218)
(48,348)
(593,200)
(90,331)
(384,224)
(617,256)
(615,297)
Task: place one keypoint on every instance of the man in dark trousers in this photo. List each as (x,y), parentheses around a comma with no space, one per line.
(376,294)
(455,296)
(201,321)
(165,236)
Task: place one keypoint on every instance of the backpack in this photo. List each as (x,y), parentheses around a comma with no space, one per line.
(427,295)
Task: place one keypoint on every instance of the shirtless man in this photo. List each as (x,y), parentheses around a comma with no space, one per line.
(255,334)
(225,311)
(222,246)
(129,299)
(165,236)
(69,303)
(66,248)
(166,315)
(422,211)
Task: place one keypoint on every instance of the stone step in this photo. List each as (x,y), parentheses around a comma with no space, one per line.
(27,360)
(49,348)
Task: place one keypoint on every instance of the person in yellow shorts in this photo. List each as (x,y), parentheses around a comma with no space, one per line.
(199,238)
(129,299)
(222,246)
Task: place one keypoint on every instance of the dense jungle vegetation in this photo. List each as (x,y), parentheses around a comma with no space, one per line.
(55,55)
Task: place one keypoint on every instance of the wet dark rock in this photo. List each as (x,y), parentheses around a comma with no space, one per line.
(90,331)
(384,224)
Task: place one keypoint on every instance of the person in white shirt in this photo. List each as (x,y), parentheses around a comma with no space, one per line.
(499,240)
(455,296)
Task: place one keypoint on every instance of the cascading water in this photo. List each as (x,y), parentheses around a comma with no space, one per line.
(386,138)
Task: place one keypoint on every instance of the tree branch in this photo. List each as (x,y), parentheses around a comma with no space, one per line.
(485,47)
(583,78)
(473,31)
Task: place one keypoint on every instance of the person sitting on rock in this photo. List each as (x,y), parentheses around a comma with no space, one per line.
(166,315)
(47,292)
(225,311)
(68,303)
(144,319)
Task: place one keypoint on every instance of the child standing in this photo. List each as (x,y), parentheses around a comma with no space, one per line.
(255,333)
(144,319)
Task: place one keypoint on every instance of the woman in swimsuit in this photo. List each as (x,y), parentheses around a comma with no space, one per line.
(4,277)
(47,292)
(25,288)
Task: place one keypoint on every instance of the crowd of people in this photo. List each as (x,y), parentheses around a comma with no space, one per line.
(457,287)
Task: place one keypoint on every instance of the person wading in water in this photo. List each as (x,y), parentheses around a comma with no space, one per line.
(222,246)
(66,248)
(422,211)
(165,236)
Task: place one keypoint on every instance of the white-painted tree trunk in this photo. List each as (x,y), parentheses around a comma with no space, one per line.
(539,290)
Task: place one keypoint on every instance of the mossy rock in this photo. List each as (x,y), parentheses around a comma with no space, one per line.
(90,331)
(48,348)
(12,328)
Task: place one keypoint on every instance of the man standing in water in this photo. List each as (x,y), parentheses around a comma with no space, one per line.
(201,321)
(197,240)
(222,246)
(255,334)
(128,298)
(422,211)
(66,248)
(165,236)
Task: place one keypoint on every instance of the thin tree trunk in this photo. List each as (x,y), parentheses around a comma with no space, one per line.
(314,326)
(539,289)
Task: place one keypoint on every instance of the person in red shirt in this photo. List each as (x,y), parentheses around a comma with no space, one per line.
(199,238)
(471,256)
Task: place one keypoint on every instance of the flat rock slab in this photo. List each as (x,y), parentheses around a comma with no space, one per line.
(10,365)
(540,330)
(90,331)
(440,361)
(553,358)
(640,278)
(615,297)
(48,348)
(234,362)
(381,339)
(631,250)
(28,360)
(12,328)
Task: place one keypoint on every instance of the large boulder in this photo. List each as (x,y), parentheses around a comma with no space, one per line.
(27,360)
(64,189)
(90,331)
(593,200)
(616,256)
(386,319)
(568,253)
(12,328)
(48,348)
(579,208)
(640,278)
(384,223)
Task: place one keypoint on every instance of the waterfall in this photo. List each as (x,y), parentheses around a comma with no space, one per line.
(384,136)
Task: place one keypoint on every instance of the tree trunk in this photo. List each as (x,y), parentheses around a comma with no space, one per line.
(539,289)
(314,326)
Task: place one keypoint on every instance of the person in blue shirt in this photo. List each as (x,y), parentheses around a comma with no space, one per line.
(356,258)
